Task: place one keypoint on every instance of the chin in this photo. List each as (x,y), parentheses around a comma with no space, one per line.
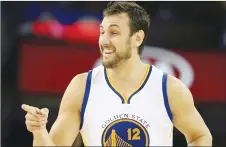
(109,64)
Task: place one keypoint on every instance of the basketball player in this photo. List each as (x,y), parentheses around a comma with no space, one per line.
(123,102)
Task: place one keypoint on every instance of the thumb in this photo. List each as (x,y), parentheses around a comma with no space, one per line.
(45,111)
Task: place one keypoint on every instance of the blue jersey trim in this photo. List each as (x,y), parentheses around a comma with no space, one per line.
(86,96)
(120,96)
(109,84)
(149,73)
(165,96)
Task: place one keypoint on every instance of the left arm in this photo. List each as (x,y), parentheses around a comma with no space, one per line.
(186,118)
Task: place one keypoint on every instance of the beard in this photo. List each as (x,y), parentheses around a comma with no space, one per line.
(116,58)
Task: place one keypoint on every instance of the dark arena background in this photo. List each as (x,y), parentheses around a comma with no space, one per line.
(45,44)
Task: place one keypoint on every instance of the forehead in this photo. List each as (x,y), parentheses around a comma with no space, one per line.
(119,20)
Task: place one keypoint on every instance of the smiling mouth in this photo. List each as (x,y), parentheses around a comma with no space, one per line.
(108,52)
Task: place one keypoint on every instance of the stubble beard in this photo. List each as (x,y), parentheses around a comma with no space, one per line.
(118,58)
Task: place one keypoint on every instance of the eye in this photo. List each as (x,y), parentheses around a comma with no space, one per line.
(114,33)
(101,32)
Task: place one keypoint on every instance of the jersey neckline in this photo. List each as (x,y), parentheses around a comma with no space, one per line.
(126,100)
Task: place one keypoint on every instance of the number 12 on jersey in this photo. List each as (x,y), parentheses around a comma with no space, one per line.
(133,134)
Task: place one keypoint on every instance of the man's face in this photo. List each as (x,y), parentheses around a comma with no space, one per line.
(114,40)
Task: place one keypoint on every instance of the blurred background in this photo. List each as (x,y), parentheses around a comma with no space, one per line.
(45,44)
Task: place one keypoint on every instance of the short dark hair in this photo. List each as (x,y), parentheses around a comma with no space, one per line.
(138,17)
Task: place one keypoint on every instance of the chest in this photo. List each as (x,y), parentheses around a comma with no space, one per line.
(125,88)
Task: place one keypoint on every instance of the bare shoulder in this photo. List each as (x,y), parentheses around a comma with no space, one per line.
(176,86)
(68,119)
(186,117)
(178,94)
(79,81)
(74,93)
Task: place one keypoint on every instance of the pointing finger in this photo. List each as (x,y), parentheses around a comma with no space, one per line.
(30,109)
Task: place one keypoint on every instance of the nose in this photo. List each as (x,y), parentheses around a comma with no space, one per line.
(104,40)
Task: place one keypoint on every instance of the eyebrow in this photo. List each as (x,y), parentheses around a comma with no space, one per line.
(112,25)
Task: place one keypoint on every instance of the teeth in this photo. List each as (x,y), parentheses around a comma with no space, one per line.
(108,51)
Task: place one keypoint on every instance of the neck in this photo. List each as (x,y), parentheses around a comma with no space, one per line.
(128,69)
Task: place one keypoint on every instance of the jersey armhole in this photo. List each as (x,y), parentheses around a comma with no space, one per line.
(165,96)
(86,96)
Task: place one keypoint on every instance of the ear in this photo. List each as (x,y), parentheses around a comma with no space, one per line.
(139,37)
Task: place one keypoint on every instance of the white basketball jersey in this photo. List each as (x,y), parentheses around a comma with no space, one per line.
(110,119)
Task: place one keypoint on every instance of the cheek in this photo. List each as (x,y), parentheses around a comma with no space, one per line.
(114,40)
(118,42)
(133,43)
(100,48)
(99,41)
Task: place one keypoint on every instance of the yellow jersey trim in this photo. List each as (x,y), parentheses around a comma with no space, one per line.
(126,99)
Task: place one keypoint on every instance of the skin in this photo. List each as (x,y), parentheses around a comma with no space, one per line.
(68,119)
(120,57)
(186,118)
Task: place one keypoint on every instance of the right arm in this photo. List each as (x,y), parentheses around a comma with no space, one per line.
(66,127)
